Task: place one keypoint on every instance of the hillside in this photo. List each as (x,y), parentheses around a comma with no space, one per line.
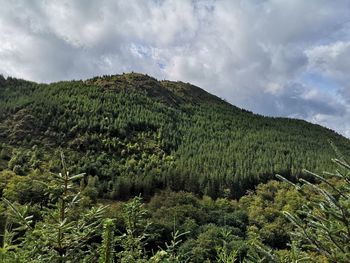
(134,134)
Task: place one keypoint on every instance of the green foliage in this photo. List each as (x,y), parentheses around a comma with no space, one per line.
(8,231)
(137,135)
(264,210)
(133,242)
(323,225)
(171,253)
(107,247)
(320,226)
(26,189)
(62,234)
(133,136)
(224,256)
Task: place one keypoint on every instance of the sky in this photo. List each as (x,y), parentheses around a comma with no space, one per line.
(285,58)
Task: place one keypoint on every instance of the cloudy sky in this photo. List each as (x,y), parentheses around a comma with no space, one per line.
(274,57)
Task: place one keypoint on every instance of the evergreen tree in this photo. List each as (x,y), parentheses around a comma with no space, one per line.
(133,242)
(65,230)
(107,247)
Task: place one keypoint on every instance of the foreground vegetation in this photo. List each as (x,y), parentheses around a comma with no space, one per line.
(66,225)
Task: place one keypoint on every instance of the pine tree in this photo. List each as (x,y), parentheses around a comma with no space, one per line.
(107,247)
(64,233)
(134,240)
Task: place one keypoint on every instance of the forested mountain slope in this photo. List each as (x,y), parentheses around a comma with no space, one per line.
(134,134)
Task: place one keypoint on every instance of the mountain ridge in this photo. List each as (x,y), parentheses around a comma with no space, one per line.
(167,85)
(138,134)
(173,85)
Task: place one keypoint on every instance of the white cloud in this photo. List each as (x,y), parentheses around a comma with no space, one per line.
(254,53)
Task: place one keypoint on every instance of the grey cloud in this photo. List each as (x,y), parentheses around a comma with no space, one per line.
(333,61)
(305,102)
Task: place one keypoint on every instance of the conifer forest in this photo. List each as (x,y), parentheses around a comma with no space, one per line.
(126,168)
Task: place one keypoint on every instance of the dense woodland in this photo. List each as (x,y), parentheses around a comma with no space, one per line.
(74,154)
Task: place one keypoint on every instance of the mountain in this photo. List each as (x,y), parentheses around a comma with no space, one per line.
(134,134)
